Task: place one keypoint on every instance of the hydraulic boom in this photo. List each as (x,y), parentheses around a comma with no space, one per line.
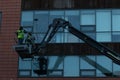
(61,23)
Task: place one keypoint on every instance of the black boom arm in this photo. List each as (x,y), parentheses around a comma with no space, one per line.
(61,23)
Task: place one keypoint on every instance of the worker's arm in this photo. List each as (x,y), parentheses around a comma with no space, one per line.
(25,31)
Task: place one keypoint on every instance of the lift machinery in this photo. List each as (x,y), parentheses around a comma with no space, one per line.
(61,23)
(52,30)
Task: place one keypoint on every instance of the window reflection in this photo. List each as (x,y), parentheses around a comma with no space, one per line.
(103,37)
(116,36)
(72,66)
(96,65)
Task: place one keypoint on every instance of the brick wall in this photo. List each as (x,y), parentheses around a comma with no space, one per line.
(10,21)
(8,57)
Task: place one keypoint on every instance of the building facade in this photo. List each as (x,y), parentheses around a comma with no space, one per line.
(76,59)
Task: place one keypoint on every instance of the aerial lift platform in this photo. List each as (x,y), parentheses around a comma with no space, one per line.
(58,23)
(61,23)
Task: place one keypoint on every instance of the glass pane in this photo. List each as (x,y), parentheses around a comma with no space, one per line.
(116,70)
(73,17)
(55,14)
(88,73)
(87,28)
(91,35)
(115,11)
(40,21)
(27,18)
(58,38)
(116,37)
(55,73)
(115,22)
(104,66)
(72,13)
(103,37)
(71,66)
(24,64)
(29,28)
(72,39)
(87,62)
(24,73)
(55,62)
(38,37)
(87,18)
(103,21)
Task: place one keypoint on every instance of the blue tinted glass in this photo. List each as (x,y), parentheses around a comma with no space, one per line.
(103,20)
(115,22)
(87,11)
(24,64)
(38,37)
(88,73)
(72,39)
(27,18)
(73,17)
(40,21)
(103,37)
(71,12)
(55,73)
(116,70)
(87,28)
(88,19)
(55,14)
(59,37)
(91,35)
(104,65)
(55,62)
(71,66)
(85,62)
(24,73)
(116,36)
(115,11)
(74,20)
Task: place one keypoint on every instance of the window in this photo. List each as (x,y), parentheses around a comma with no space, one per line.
(88,72)
(94,23)
(104,36)
(70,66)
(104,66)
(87,17)
(103,20)
(116,36)
(115,20)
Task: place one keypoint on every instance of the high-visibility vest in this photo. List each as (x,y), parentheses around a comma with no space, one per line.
(20,33)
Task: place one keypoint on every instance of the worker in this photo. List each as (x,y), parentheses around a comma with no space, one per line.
(30,41)
(20,35)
